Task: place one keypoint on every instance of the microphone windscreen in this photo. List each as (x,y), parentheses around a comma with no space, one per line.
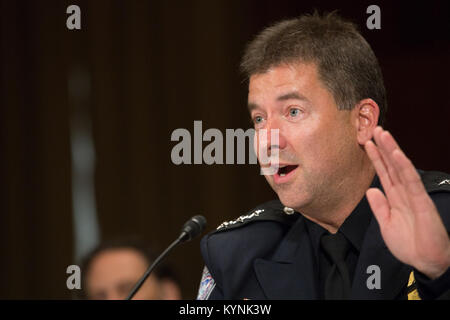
(193,227)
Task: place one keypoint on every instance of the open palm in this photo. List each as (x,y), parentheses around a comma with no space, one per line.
(409,221)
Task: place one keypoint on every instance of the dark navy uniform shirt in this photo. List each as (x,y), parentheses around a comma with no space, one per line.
(353,229)
(269,254)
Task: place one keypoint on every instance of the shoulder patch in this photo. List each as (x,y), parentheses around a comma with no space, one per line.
(207,285)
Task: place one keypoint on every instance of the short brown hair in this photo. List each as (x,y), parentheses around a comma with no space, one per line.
(345,61)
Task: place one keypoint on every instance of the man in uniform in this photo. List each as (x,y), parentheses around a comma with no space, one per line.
(354,219)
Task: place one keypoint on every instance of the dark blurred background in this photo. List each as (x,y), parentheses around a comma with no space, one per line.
(137,70)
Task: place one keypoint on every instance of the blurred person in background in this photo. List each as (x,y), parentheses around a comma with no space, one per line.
(112,269)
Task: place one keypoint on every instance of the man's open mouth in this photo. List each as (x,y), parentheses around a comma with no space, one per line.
(285,170)
(284,173)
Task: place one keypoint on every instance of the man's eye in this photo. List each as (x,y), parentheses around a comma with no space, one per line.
(258,119)
(294,112)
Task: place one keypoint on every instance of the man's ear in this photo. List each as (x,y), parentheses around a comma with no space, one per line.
(366,114)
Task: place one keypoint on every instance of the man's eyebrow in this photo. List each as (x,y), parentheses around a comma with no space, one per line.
(286,96)
(292,95)
(252,106)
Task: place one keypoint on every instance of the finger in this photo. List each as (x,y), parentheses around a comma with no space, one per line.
(415,190)
(408,173)
(394,195)
(379,205)
(389,145)
(412,183)
(379,137)
(405,169)
(379,165)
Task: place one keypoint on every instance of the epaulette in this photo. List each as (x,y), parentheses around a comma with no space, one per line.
(269,211)
(435,181)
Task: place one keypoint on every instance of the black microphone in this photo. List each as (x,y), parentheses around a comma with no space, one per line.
(192,228)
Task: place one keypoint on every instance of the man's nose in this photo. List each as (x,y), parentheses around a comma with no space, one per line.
(274,135)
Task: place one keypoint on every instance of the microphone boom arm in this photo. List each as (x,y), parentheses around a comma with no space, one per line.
(192,228)
(150,269)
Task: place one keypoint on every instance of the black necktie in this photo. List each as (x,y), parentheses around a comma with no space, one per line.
(337,283)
